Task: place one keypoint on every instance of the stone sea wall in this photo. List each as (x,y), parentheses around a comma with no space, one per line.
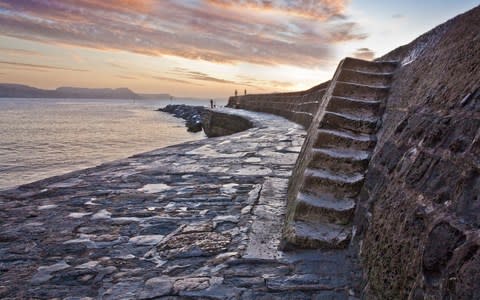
(420,204)
(299,107)
(417,221)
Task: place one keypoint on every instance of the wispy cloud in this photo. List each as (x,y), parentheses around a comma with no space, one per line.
(314,9)
(43,67)
(26,69)
(263,84)
(244,81)
(170,79)
(115,65)
(185,73)
(301,33)
(17,51)
(398,16)
(126,77)
(364,53)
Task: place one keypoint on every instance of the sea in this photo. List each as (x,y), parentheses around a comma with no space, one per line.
(40,138)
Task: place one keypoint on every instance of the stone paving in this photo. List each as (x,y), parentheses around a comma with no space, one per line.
(199,220)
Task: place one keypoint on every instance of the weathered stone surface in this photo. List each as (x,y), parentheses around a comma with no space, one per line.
(299,107)
(156,287)
(420,204)
(215,123)
(173,223)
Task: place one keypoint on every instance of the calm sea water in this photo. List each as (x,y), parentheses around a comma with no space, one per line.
(40,138)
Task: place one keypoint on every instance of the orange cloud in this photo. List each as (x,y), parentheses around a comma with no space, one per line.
(42,67)
(143,6)
(221,31)
(315,9)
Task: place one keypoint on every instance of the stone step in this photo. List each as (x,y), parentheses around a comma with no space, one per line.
(369,66)
(354,106)
(326,208)
(360,91)
(339,160)
(300,234)
(362,77)
(302,118)
(307,106)
(319,182)
(355,123)
(327,138)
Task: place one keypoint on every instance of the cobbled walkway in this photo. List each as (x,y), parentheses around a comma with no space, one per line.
(198,220)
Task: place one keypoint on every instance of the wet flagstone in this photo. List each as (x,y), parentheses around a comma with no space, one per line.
(196,220)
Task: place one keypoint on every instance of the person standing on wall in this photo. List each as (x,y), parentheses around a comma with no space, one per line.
(236,93)
(211,103)
(245,92)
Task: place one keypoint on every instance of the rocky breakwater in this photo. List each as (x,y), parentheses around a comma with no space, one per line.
(191,114)
(196,220)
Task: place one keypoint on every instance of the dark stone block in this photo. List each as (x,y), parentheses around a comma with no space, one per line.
(442,241)
(65,249)
(162,228)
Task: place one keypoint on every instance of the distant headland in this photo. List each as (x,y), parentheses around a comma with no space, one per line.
(8,90)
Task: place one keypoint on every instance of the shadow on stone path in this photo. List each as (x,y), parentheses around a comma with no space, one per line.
(195,220)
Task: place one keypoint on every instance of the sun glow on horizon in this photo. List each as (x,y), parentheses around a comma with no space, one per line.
(201,48)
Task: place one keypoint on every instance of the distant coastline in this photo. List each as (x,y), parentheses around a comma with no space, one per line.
(8,90)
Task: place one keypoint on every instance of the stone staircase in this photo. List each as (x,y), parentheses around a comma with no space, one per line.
(331,168)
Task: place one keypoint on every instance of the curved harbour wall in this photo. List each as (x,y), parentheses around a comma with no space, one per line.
(416,224)
(298,107)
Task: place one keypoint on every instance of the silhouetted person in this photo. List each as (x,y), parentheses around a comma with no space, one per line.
(245,92)
(236,93)
(211,103)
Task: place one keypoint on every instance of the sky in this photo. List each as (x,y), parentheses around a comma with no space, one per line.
(203,48)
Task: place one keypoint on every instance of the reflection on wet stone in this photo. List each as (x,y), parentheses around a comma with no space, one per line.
(200,219)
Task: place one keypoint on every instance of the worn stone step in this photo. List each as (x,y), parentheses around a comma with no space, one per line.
(355,123)
(307,106)
(369,66)
(327,138)
(360,91)
(363,77)
(300,234)
(340,160)
(318,182)
(302,118)
(327,208)
(354,106)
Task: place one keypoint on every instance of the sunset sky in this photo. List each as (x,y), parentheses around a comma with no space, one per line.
(202,48)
